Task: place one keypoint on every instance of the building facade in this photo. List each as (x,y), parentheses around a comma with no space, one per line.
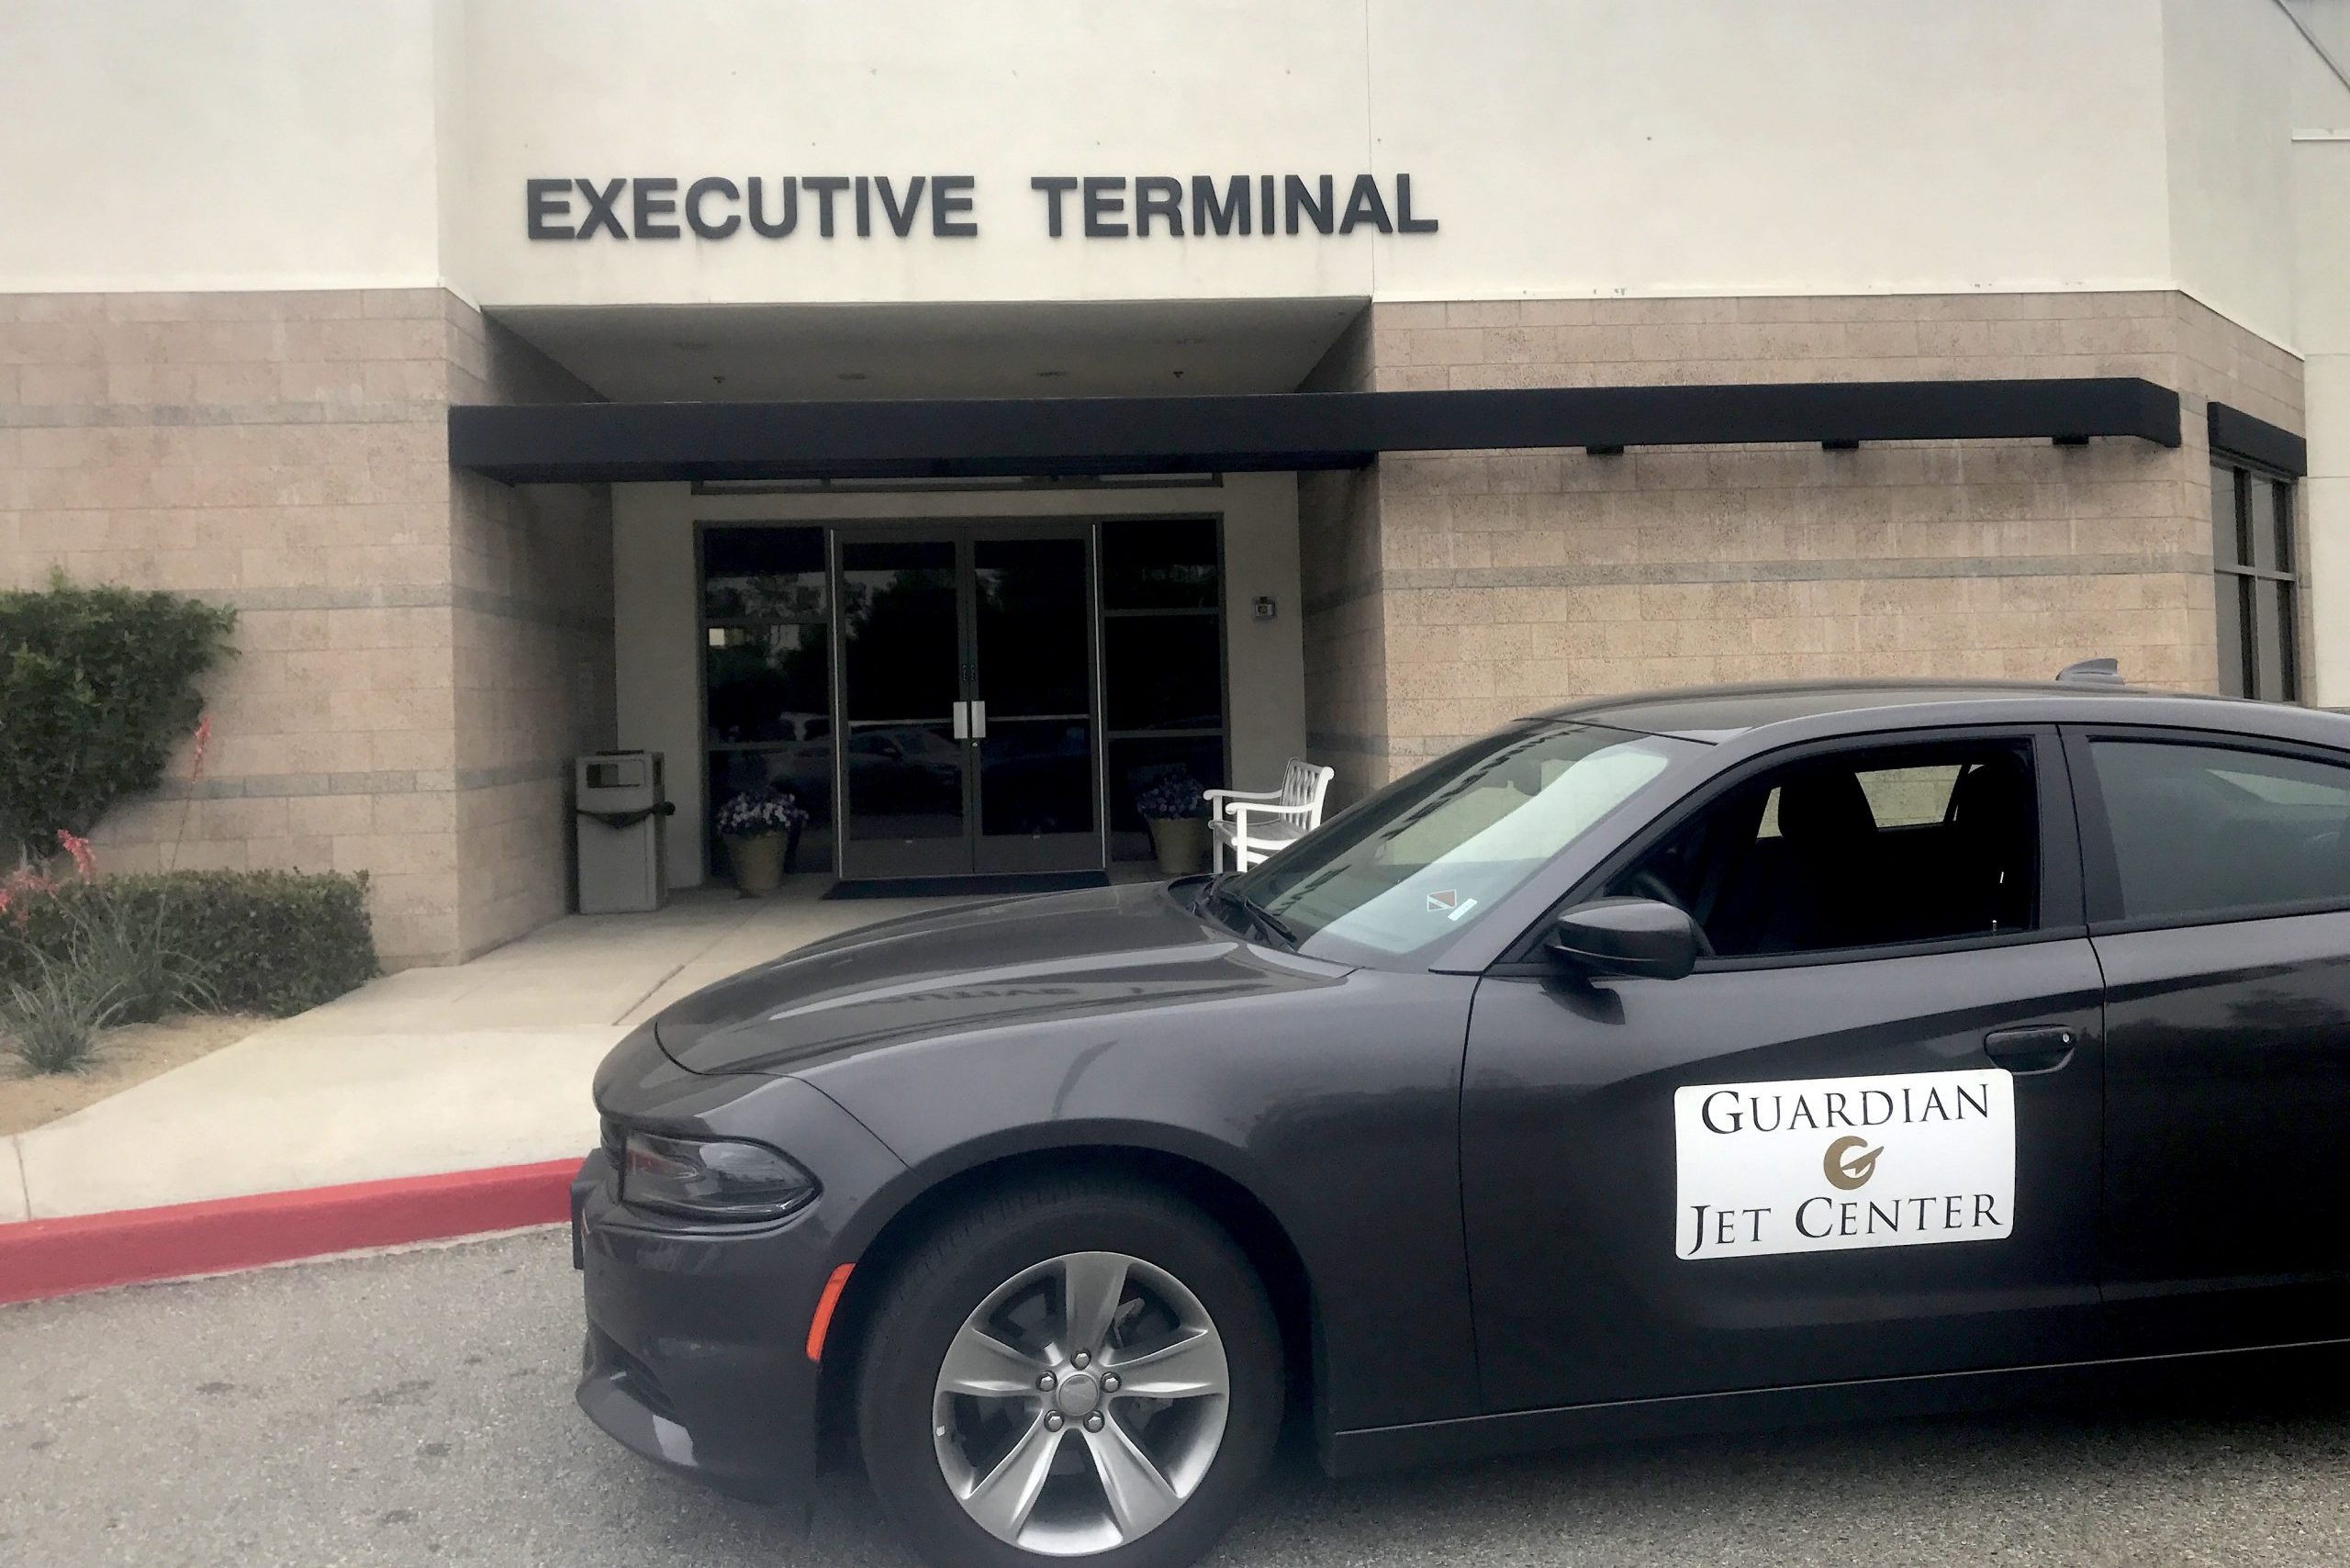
(967,416)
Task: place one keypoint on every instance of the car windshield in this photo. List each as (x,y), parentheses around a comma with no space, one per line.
(1435,851)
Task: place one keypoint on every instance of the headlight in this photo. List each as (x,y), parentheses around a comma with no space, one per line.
(711,1178)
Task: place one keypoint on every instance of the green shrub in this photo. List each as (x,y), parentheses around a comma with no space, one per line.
(267,942)
(96,685)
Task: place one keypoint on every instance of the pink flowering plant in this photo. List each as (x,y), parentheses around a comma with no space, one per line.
(19,888)
(79,952)
(79,960)
(52,1014)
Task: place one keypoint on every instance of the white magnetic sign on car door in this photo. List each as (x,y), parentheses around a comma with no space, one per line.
(1826,1164)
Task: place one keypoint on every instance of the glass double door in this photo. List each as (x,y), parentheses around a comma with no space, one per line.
(968,736)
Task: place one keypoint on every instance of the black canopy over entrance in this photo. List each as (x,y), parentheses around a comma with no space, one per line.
(954,438)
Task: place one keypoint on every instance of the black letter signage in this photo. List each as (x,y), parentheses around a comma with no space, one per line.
(949,199)
(547,200)
(702,225)
(719,207)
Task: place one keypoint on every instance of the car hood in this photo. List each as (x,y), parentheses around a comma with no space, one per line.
(976,967)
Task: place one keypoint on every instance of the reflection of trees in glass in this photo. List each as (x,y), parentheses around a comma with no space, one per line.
(767,598)
(1159,564)
(764,574)
(1175,583)
(768,683)
(1032,628)
(1164,672)
(900,626)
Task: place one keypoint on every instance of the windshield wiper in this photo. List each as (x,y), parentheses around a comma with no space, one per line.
(1269,920)
(1256,913)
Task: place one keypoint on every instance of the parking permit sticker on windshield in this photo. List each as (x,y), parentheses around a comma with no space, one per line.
(1449,904)
(1829,1164)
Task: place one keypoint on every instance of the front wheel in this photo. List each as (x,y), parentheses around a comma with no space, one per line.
(1085,1372)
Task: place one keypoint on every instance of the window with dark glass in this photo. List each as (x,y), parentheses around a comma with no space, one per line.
(2256,583)
(767,672)
(2213,833)
(1930,843)
(1162,659)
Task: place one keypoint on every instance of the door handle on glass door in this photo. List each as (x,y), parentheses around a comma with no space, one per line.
(962,720)
(2037,1047)
(978,720)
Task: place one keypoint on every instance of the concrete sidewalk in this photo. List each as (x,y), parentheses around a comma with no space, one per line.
(427,1072)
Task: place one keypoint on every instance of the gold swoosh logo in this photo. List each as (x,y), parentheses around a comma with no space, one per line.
(1847,1170)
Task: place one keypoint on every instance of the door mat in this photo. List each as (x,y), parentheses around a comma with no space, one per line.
(956,886)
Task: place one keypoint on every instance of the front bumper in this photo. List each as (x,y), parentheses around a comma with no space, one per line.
(689,1358)
(695,1353)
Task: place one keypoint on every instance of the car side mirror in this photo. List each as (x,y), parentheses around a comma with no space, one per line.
(1626,937)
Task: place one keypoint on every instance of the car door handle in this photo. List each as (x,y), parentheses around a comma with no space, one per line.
(2037,1047)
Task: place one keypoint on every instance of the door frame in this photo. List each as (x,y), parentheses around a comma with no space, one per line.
(964,533)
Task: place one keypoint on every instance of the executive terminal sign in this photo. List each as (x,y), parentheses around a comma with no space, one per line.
(947,206)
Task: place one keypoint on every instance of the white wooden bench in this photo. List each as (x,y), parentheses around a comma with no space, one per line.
(1255,823)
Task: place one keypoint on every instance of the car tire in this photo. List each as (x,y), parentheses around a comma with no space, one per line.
(1016,1258)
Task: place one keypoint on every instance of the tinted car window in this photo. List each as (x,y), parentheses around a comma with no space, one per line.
(1434,853)
(1898,797)
(1916,843)
(2201,830)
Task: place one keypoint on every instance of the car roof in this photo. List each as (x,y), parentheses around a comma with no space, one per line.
(1719,714)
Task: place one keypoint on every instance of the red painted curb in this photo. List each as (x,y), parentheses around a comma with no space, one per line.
(62,1257)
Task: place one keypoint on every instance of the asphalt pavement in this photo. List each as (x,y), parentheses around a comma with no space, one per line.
(416,1408)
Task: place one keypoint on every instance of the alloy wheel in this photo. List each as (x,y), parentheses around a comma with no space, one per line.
(1080,1403)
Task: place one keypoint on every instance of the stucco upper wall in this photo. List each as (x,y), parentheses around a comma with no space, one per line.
(217,144)
(2228,71)
(1774,146)
(1568,146)
(2320,192)
(1562,148)
(997,89)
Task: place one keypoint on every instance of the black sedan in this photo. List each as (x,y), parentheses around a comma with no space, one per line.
(1699,1060)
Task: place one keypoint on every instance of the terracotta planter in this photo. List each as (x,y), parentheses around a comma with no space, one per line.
(1181,843)
(759,862)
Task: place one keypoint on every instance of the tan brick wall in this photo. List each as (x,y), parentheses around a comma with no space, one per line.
(1457,590)
(1630,343)
(534,590)
(535,689)
(1340,533)
(1345,632)
(286,454)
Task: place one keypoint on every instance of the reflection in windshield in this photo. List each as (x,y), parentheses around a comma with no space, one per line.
(1433,853)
